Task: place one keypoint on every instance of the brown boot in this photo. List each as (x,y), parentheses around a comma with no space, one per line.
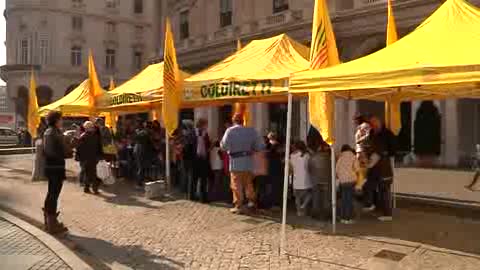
(95,189)
(45,220)
(55,227)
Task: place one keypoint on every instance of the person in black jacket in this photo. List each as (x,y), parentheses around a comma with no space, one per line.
(89,153)
(380,170)
(54,150)
(143,152)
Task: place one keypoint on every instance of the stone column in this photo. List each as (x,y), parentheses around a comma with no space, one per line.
(261,118)
(414,109)
(304,119)
(213,124)
(201,112)
(352,111)
(341,123)
(450,128)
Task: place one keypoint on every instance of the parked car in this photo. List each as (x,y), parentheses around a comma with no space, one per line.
(8,136)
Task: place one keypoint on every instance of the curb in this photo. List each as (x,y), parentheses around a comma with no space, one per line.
(72,260)
(17,151)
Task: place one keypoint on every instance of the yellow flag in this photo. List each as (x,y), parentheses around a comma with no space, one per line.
(95,90)
(33,117)
(111,86)
(156,113)
(323,53)
(392,105)
(242,108)
(392,35)
(172,83)
(111,117)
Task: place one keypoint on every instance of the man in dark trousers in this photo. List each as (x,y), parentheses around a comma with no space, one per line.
(201,161)
(143,152)
(89,153)
(380,171)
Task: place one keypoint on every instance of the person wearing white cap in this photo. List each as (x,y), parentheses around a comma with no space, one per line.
(89,153)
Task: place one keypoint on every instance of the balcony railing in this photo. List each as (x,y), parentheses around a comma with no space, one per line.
(224,33)
(366,3)
(285,17)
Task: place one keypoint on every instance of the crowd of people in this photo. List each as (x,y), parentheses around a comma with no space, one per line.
(241,167)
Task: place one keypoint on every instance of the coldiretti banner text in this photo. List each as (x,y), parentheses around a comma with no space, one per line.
(125,99)
(229,90)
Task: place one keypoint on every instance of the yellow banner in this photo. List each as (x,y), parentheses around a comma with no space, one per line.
(235,89)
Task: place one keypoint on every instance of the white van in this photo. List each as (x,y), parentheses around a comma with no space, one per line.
(8,136)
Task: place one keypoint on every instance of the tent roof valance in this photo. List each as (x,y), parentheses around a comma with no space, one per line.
(438,59)
(75,103)
(146,82)
(135,94)
(258,71)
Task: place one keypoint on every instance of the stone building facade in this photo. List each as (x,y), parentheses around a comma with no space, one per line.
(55,36)
(206,32)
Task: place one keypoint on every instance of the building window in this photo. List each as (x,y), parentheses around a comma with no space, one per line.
(76,56)
(280,5)
(225,13)
(137,60)
(111,3)
(111,27)
(138,6)
(138,31)
(77,3)
(184,25)
(44,52)
(110,59)
(77,23)
(24,52)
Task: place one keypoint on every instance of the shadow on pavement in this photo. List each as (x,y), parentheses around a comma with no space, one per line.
(430,229)
(124,194)
(412,226)
(132,255)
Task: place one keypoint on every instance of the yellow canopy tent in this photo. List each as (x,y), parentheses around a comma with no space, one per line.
(141,93)
(255,73)
(437,60)
(74,104)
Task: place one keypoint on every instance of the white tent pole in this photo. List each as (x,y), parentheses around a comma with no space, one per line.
(167,160)
(283,237)
(334,190)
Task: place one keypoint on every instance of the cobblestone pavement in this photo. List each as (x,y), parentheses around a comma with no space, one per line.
(20,250)
(122,229)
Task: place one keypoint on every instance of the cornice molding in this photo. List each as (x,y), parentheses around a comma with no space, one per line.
(104,17)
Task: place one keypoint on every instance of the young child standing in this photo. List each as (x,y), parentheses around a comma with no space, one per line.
(302,184)
(216,164)
(362,147)
(347,166)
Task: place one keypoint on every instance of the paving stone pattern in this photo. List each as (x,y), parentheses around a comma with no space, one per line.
(122,229)
(15,243)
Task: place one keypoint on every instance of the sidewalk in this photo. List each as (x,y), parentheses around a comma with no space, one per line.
(23,247)
(123,230)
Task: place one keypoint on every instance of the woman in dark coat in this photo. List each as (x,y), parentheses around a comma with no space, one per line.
(55,152)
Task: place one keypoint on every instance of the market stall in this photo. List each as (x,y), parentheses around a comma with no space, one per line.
(143,92)
(436,61)
(74,104)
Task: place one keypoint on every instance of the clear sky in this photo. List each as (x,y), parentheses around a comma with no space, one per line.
(3,28)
